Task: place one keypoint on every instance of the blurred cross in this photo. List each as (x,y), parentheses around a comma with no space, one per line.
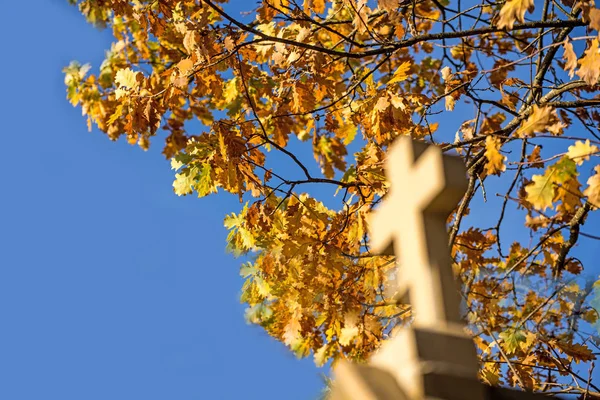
(425,186)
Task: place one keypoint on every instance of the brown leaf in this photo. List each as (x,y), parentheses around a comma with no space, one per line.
(589,65)
(579,352)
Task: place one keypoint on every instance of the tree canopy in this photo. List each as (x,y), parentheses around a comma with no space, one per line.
(291,106)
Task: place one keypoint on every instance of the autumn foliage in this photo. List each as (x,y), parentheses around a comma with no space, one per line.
(243,102)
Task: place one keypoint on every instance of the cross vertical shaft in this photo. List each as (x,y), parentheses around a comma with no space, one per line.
(425,188)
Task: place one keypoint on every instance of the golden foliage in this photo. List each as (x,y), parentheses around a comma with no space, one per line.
(297,97)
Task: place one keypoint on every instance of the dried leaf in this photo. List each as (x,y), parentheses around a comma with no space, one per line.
(589,65)
(514,10)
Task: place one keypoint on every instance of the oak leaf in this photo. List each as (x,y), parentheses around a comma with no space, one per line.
(185,66)
(205,184)
(126,78)
(514,10)
(321,355)
(512,340)
(347,334)
(579,352)
(539,119)
(388,5)
(495,164)
(589,64)
(540,192)
(183,183)
(291,332)
(570,58)
(594,18)
(318,6)
(581,151)
(401,73)
(592,192)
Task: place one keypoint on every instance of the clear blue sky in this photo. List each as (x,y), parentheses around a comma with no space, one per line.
(111,287)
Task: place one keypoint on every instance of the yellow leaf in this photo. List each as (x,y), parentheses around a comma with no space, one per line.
(449,103)
(361,16)
(495,164)
(593,190)
(580,151)
(350,329)
(120,93)
(348,132)
(126,78)
(570,58)
(279,4)
(401,73)
(569,195)
(262,287)
(318,6)
(538,121)
(291,332)
(514,10)
(118,112)
(185,66)
(446,73)
(489,377)
(541,191)
(183,183)
(175,164)
(347,334)
(589,65)
(321,355)
(381,105)
(231,91)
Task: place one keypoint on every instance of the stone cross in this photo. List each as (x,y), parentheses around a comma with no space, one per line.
(411,223)
(434,358)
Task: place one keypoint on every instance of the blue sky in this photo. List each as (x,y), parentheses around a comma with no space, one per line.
(111,287)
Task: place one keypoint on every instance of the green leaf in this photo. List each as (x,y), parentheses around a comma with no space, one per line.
(564,170)
(512,339)
(247,269)
(205,184)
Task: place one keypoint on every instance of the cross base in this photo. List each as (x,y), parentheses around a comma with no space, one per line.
(421,358)
(420,363)
(373,383)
